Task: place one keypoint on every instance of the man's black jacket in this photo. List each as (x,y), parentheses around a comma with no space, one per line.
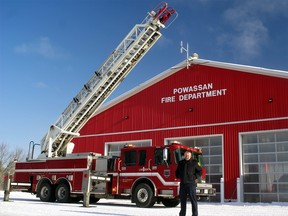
(188,171)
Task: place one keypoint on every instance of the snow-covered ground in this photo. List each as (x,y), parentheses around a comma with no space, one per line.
(22,204)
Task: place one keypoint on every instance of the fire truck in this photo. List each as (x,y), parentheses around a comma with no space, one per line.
(144,174)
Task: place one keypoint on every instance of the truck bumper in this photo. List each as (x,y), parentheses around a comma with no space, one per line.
(205,190)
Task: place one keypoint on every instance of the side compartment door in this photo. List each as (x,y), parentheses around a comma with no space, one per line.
(134,164)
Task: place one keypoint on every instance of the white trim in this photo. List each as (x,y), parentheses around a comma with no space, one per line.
(124,141)
(21,184)
(192,137)
(263,131)
(51,170)
(240,154)
(185,127)
(242,68)
(147,174)
(241,166)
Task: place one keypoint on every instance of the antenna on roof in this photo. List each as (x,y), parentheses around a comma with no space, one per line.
(187,53)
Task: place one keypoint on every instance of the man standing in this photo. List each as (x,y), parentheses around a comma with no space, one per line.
(188,171)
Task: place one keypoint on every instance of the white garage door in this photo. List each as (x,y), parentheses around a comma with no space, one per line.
(265,166)
(212,154)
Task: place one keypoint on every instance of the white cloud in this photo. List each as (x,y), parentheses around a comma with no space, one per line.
(42,47)
(41,85)
(278,7)
(249,32)
(247,39)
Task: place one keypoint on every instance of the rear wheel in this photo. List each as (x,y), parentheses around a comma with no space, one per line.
(93,200)
(143,196)
(46,193)
(62,193)
(170,202)
(75,199)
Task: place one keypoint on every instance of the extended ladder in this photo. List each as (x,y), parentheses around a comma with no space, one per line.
(110,74)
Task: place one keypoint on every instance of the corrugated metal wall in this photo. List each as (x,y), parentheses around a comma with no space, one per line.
(241,97)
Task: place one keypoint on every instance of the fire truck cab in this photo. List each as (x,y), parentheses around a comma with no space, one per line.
(147,174)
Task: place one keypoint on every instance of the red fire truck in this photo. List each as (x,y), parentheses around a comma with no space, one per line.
(146,174)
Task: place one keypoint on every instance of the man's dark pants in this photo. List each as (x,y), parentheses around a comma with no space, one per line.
(189,189)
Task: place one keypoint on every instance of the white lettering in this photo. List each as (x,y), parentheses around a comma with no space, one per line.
(194,92)
(168,99)
(203,94)
(194,88)
(210,85)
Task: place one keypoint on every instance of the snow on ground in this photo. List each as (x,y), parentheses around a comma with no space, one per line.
(25,204)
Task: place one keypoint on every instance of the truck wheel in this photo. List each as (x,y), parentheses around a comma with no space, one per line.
(93,200)
(75,199)
(170,202)
(143,196)
(46,193)
(62,193)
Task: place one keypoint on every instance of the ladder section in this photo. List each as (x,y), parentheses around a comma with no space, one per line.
(109,75)
(100,86)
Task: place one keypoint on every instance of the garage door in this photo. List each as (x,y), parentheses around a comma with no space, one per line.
(265,166)
(212,154)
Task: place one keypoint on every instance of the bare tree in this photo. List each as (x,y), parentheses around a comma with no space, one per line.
(7,160)
(4,155)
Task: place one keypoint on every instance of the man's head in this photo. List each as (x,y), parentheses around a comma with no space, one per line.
(187,155)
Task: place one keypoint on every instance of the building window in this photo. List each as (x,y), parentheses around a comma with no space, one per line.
(265,166)
(114,148)
(212,157)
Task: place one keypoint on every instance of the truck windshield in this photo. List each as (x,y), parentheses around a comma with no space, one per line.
(199,158)
(179,155)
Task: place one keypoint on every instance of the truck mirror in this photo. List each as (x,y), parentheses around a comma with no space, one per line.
(165,154)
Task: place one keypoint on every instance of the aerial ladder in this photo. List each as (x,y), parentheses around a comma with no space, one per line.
(104,80)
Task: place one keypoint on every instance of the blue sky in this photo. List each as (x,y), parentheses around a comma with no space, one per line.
(50,48)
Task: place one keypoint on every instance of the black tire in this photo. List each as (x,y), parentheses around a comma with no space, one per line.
(46,193)
(75,199)
(143,196)
(62,193)
(93,200)
(170,202)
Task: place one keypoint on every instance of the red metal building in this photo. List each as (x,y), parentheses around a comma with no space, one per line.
(237,114)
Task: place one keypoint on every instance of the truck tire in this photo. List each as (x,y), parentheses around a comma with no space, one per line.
(143,196)
(170,202)
(75,199)
(46,193)
(93,200)
(62,193)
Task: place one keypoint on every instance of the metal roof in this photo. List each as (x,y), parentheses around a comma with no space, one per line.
(193,61)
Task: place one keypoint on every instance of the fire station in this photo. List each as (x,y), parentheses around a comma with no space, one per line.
(237,115)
